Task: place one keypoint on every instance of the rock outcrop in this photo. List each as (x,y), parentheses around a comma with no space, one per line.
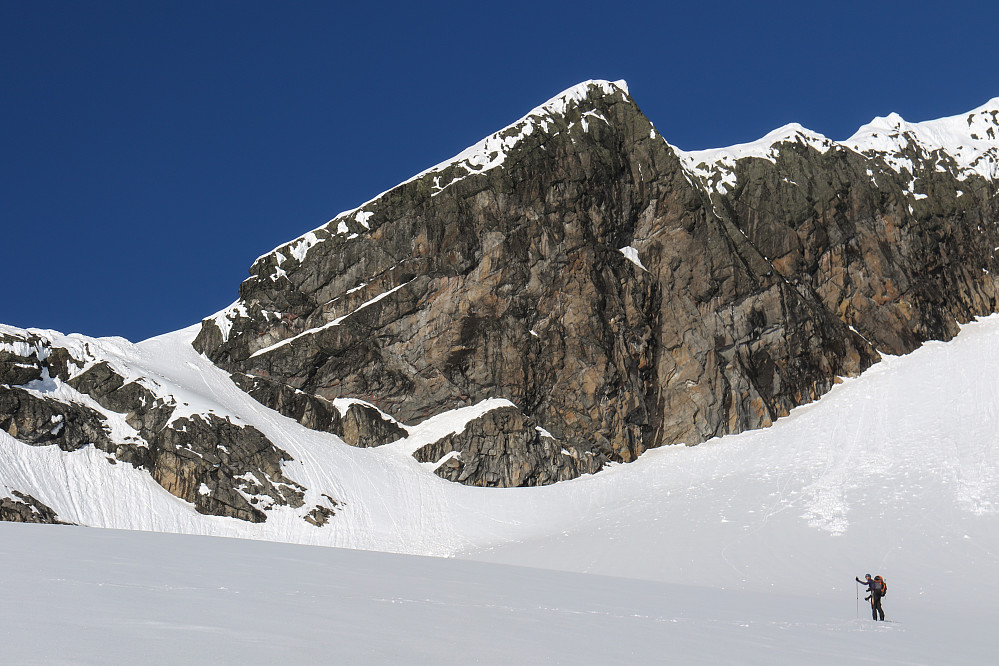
(23,508)
(55,396)
(357,423)
(503,448)
(578,266)
(611,292)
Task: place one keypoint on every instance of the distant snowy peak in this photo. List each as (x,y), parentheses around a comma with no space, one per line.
(966,145)
(489,153)
(970,139)
(715,167)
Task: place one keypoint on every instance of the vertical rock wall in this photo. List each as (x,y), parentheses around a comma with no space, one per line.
(597,285)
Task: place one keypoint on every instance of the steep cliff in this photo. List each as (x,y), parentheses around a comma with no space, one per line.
(621,293)
(579,288)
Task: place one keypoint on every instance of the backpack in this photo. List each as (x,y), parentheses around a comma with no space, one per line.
(884,586)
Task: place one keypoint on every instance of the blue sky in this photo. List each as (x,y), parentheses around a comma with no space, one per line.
(151,151)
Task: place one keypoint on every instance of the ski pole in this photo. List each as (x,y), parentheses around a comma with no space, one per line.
(858,601)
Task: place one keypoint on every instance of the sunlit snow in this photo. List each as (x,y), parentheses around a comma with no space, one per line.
(970,140)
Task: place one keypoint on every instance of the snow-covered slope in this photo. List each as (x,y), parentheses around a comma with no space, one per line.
(970,140)
(894,470)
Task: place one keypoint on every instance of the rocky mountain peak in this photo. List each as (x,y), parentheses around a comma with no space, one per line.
(578,267)
(579,105)
(449,289)
(566,293)
(714,168)
(965,145)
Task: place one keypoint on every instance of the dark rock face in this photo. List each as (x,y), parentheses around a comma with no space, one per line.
(510,282)
(467,283)
(901,269)
(35,420)
(221,468)
(359,425)
(507,283)
(503,448)
(580,268)
(23,508)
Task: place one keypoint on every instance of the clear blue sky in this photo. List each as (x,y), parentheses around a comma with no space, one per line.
(151,151)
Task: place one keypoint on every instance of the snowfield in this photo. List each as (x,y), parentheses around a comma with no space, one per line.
(739,550)
(86,596)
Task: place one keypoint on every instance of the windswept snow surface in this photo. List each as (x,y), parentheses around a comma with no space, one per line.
(895,472)
(77,596)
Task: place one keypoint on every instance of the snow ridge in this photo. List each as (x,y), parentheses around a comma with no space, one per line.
(716,166)
(965,145)
(489,153)
(970,140)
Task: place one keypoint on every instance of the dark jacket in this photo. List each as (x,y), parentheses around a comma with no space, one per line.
(873,586)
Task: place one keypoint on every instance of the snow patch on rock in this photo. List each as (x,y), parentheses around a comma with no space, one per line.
(966,144)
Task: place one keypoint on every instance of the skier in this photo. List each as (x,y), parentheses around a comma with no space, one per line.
(875,588)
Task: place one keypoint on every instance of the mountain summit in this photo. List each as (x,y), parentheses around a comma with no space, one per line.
(612,288)
(569,292)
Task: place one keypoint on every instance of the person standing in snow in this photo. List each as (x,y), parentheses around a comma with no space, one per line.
(875,589)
